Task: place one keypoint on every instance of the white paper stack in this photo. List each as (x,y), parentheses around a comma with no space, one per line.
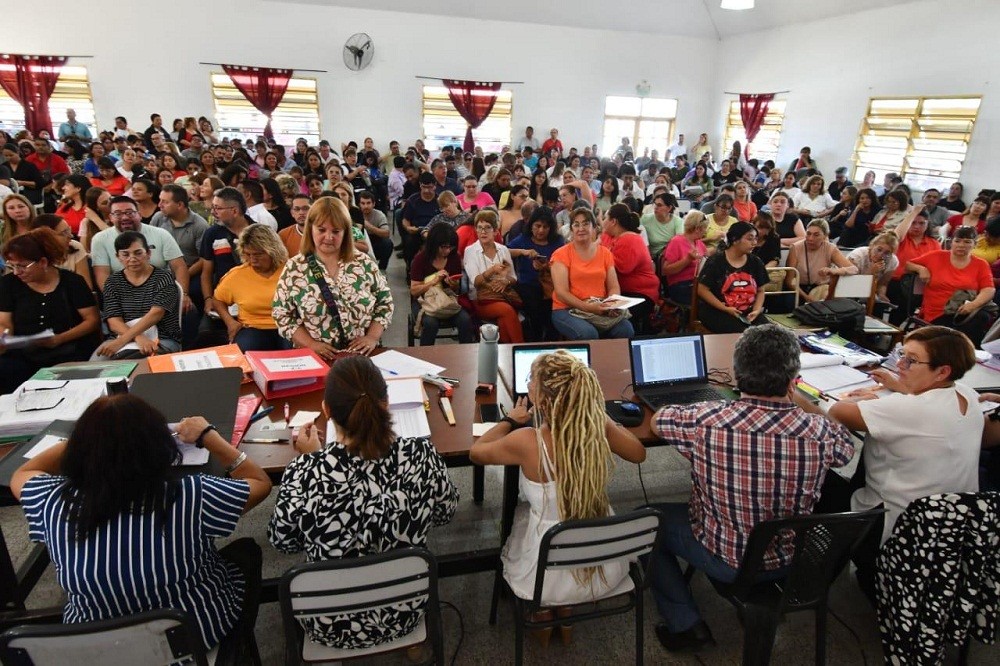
(836,378)
(406,404)
(76,395)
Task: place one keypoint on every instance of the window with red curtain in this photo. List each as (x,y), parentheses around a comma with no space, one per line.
(474,101)
(753,110)
(30,80)
(263,87)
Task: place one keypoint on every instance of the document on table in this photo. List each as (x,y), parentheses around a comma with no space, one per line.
(397,364)
(44,444)
(152,333)
(811,360)
(835,378)
(405,392)
(302,418)
(292,364)
(77,395)
(410,421)
(197,361)
(190,454)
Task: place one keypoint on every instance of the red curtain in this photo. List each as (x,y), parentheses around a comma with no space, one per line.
(474,101)
(30,80)
(263,87)
(753,110)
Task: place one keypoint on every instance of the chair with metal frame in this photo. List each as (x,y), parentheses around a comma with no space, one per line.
(354,585)
(154,638)
(577,544)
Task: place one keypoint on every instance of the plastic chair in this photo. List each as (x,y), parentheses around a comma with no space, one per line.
(577,544)
(152,638)
(823,544)
(355,585)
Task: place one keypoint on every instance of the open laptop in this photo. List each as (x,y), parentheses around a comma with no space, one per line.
(672,370)
(525,355)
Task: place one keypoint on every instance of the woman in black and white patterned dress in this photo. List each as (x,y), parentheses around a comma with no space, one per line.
(367,492)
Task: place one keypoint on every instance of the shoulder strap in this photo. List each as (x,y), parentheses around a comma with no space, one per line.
(327,293)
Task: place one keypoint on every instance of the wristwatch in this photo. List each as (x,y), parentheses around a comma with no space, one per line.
(200,441)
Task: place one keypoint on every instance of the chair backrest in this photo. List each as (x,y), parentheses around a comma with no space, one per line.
(154,638)
(861,287)
(579,544)
(822,545)
(789,283)
(355,585)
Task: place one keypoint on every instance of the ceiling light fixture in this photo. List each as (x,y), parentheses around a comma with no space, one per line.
(737,5)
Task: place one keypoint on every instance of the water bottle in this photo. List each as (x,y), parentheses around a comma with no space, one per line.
(489,335)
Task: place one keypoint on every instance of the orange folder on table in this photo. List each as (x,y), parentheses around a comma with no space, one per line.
(279,374)
(224,356)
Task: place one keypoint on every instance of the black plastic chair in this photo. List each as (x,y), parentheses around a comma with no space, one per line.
(155,638)
(577,544)
(822,544)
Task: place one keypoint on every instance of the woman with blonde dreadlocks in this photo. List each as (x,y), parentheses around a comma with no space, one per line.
(566,463)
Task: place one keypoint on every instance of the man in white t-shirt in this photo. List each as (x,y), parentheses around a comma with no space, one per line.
(528,140)
(254,194)
(676,149)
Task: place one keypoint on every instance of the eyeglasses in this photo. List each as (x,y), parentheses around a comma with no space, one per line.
(20,268)
(124,255)
(903,362)
(222,207)
(484,227)
(118,214)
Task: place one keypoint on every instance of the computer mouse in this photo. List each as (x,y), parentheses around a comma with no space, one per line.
(630,407)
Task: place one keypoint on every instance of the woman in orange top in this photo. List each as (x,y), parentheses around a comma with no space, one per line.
(583,270)
(744,209)
(73,207)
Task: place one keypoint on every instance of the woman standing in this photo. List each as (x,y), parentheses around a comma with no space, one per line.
(37,295)
(816,260)
(331,297)
(682,256)
(731,285)
(438,264)
(250,286)
(73,207)
(141,304)
(18,216)
(583,275)
(367,492)
(633,263)
(565,447)
(112,489)
(491,278)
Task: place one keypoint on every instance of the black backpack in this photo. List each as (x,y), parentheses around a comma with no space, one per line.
(840,315)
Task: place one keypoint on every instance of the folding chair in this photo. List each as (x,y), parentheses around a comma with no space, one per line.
(152,638)
(355,585)
(578,544)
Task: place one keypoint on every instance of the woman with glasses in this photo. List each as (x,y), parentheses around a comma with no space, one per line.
(37,295)
(720,219)
(471,198)
(921,440)
(251,286)
(438,264)
(949,271)
(141,304)
(731,284)
(492,277)
(583,275)
(816,260)
(330,297)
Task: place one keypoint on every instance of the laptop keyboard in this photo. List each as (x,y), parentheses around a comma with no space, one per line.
(684,397)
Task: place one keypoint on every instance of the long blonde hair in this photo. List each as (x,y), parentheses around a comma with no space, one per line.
(570,401)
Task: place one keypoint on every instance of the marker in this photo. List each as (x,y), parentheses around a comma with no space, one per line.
(444,401)
(261,414)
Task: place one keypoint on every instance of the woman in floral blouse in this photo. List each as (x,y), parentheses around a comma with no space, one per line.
(366,492)
(331,297)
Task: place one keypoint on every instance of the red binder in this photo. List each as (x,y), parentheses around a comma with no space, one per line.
(279,374)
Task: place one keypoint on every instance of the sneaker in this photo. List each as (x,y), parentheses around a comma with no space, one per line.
(690,640)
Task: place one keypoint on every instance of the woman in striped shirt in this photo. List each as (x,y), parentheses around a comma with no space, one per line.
(126,535)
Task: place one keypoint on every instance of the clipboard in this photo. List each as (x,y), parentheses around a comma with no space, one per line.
(15,458)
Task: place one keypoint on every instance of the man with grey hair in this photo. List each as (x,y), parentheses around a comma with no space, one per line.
(760,457)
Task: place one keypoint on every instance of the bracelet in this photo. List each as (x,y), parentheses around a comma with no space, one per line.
(240,459)
(200,441)
(514,425)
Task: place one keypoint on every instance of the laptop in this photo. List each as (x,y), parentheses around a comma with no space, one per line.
(672,370)
(525,355)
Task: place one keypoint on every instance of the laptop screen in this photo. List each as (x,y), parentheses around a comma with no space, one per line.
(525,356)
(665,361)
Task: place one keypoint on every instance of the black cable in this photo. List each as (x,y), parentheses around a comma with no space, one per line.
(630,384)
(461,628)
(644,495)
(864,657)
(720,376)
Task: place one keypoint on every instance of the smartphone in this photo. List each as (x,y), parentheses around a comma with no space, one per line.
(489,413)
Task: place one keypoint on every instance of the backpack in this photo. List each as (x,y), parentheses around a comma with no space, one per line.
(840,315)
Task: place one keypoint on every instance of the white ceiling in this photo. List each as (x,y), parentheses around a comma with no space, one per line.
(693,18)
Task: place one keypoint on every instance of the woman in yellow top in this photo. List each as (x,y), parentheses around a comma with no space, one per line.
(720,219)
(251,286)
(987,246)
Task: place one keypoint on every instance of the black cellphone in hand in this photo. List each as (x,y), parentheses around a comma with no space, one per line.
(489,412)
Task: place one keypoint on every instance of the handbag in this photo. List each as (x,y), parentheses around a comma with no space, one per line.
(602,322)
(508,294)
(439,302)
(963,295)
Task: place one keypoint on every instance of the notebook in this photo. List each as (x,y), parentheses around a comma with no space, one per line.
(671,370)
(525,355)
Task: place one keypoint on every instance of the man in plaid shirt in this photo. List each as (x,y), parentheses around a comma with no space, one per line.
(760,457)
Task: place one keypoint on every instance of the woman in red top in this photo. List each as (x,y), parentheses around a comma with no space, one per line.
(73,207)
(949,271)
(633,263)
(914,240)
(973,216)
(110,179)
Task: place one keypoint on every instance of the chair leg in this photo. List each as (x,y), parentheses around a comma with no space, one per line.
(497,583)
(821,635)
(518,633)
(478,483)
(639,622)
(759,627)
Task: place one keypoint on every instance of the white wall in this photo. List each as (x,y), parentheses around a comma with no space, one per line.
(833,67)
(147,59)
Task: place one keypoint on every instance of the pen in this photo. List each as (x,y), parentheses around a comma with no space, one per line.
(261,414)
(288,414)
(393,373)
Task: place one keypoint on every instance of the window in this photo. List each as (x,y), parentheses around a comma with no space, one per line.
(72,91)
(444,127)
(297,115)
(765,145)
(924,139)
(647,122)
